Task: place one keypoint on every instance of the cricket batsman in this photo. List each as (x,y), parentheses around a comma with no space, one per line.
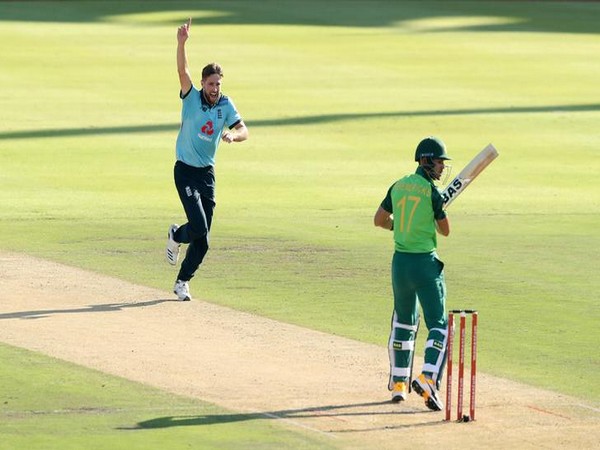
(413,210)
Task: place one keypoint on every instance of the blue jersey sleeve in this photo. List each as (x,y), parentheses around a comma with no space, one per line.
(233,116)
(190,102)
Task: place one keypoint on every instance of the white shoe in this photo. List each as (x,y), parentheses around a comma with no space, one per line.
(399,391)
(172,246)
(182,290)
(425,387)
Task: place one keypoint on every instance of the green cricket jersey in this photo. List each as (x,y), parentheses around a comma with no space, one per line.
(416,204)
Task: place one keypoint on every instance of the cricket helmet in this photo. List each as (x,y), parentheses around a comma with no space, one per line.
(432,148)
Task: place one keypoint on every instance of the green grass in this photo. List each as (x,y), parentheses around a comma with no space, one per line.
(336,96)
(46,403)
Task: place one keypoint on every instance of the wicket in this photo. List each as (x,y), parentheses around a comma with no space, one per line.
(461,364)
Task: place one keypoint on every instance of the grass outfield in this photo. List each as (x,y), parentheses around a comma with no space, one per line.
(336,96)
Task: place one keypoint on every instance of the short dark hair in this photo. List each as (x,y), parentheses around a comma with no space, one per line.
(211,69)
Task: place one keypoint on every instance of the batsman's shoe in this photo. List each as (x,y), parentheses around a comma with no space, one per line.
(182,290)
(172,246)
(399,391)
(425,387)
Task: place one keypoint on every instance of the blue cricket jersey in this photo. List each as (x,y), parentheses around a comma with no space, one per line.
(202,126)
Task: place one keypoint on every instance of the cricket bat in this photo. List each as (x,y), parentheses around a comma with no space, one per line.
(483,159)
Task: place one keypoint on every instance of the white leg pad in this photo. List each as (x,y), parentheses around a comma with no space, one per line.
(400,345)
(441,347)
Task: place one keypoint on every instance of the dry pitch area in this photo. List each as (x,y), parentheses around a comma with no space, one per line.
(311,381)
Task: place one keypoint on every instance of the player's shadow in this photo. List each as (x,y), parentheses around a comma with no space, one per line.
(340,410)
(105,307)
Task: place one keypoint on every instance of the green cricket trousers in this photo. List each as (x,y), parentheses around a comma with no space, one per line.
(418,277)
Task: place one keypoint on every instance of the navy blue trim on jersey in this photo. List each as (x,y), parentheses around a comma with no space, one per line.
(182,95)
